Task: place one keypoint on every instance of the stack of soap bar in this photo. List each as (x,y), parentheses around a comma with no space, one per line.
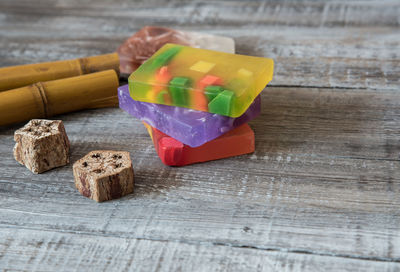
(204,80)
(195,103)
(174,153)
(191,127)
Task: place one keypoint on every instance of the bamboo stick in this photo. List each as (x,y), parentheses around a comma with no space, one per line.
(22,75)
(45,99)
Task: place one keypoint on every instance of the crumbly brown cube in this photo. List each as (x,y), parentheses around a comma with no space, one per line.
(104,175)
(41,145)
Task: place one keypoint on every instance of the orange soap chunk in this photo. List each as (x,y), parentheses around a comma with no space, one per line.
(162,77)
(198,99)
(174,153)
(209,80)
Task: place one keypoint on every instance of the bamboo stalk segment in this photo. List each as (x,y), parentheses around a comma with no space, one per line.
(45,99)
(22,75)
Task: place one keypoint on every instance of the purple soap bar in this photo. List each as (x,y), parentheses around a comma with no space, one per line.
(188,126)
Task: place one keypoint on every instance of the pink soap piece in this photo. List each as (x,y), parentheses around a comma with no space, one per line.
(144,43)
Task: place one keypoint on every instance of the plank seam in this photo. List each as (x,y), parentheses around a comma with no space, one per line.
(224,244)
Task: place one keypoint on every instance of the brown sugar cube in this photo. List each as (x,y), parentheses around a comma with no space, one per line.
(104,175)
(41,145)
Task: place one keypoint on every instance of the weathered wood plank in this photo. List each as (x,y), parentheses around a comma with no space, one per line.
(321,181)
(237,13)
(31,250)
(352,51)
(320,192)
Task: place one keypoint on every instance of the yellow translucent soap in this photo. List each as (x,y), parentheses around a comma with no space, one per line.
(200,79)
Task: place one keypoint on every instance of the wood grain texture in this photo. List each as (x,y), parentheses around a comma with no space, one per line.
(334,44)
(320,181)
(320,193)
(40,250)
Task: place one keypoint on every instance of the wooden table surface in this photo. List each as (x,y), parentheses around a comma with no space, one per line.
(321,192)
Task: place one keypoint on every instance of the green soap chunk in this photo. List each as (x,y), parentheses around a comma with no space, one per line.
(222,103)
(180,81)
(164,57)
(212,91)
(178,95)
(178,88)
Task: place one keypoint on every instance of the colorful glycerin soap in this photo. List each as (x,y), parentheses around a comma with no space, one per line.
(188,126)
(174,153)
(144,43)
(204,80)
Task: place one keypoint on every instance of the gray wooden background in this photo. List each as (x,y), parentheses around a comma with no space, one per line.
(321,192)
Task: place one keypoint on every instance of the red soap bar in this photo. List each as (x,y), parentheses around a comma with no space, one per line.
(174,153)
